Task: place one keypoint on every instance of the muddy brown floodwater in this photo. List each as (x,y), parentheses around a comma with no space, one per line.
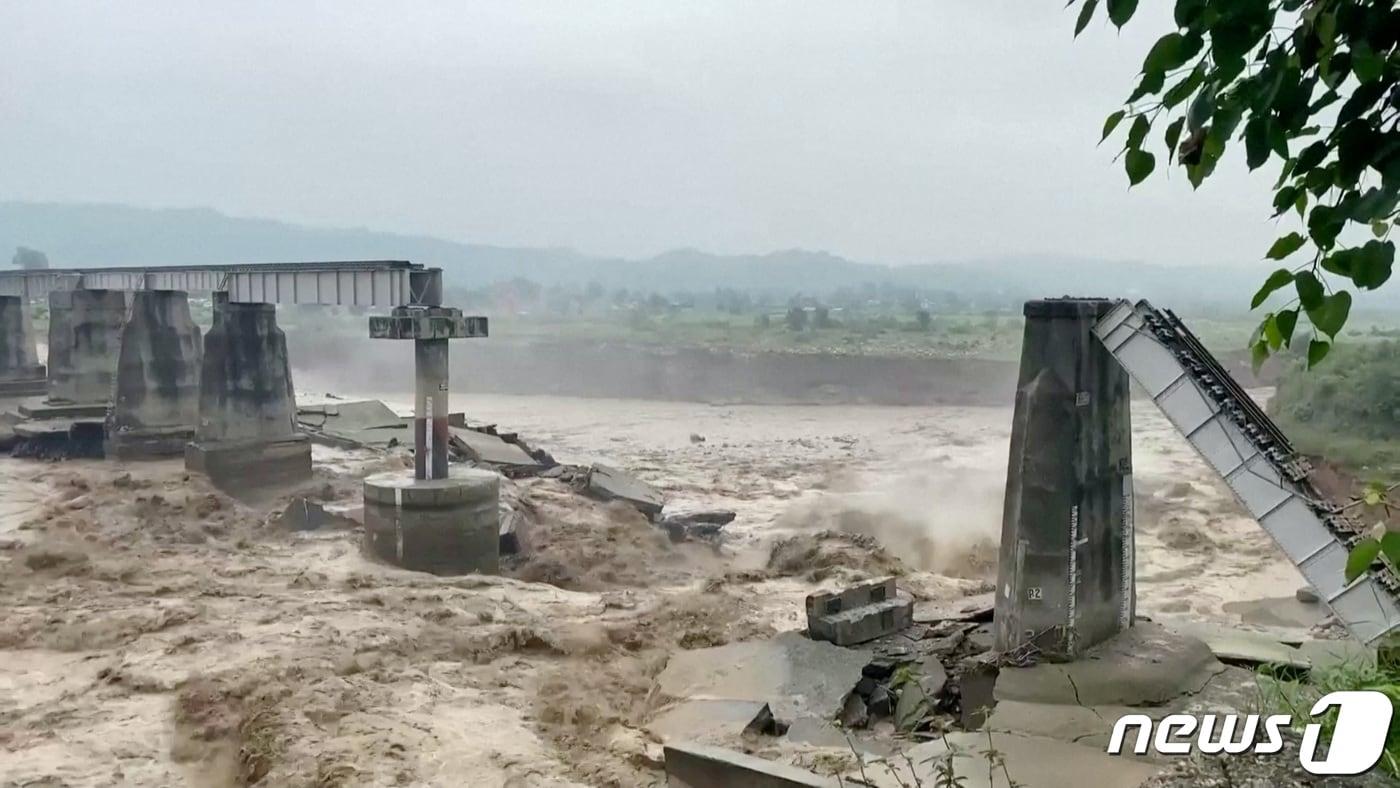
(157,632)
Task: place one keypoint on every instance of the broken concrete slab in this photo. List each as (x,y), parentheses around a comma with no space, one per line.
(1090,726)
(977,607)
(859,613)
(480,447)
(1031,761)
(697,525)
(1145,665)
(1287,612)
(795,676)
(708,720)
(361,423)
(1241,647)
(691,765)
(611,484)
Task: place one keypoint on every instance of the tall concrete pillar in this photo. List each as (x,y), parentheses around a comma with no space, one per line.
(157,390)
(436,519)
(85,330)
(20,371)
(1065,576)
(247,433)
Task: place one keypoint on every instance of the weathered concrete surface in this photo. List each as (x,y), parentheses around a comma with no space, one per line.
(1287,611)
(1090,726)
(612,484)
(247,432)
(1065,574)
(706,721)
(1237,646)
(85,329)
(795,676)
(20,370)
(481,447)
(858,614)
(367,423)
(158,370)
(1031,761)
(690,765)
(1147,665)
(444,526)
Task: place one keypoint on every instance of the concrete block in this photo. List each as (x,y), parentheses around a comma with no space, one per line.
(444,526)
(238,465)
(245,389)
(482,447)
(247,433)
(611,484)
(157,389)
(417,322)
(85,328)
(1065,572)
(858,614)
(690,765)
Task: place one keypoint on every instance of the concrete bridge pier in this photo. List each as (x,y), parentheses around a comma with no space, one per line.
(21,374)
(1065,574)
(247,433)
(85,329)
(437,519)
(156,405)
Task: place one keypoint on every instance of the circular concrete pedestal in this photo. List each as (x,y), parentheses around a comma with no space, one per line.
(444,526)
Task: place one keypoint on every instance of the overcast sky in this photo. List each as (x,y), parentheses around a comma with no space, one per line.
(882,131)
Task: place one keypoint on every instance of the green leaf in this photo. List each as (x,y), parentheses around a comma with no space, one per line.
(1172,136)
(1373,264)
(1379,229)
(1361,557)
(1285,246)
(1276,280)
(1310,290)
(1139,165)
(1120,11)
(1258,354)
(1287,321)
(1367,64)
(1085,14)
(1390,547)
(1151,82)
(1187,12)
(1324,223)
(1310,157)
(1184,88)
(1171,51)
(1332,314)
(1111,122)
(1317,351)
(1256,141)
(1138,132)
(1271,332)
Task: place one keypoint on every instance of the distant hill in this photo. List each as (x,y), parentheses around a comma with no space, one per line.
(81,235)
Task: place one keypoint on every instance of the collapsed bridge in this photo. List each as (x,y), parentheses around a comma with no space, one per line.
(1066,568)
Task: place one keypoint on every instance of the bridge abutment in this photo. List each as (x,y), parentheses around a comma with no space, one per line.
(247,433)
(21,373)
(156,405)
(1065,575)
